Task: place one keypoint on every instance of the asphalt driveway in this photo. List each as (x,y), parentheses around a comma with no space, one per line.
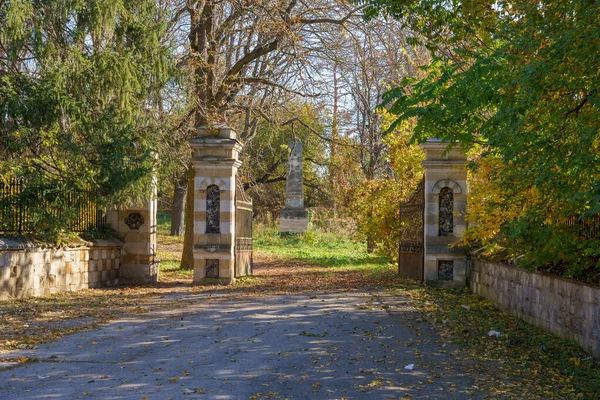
(335,345)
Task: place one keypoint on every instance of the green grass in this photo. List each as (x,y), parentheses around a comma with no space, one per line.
(169,248)
(163,222)
(169,263)
(315,247)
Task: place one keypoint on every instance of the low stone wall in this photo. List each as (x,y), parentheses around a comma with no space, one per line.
(567,308)
(27,269)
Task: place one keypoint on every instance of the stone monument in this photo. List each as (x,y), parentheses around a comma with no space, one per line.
(294,217)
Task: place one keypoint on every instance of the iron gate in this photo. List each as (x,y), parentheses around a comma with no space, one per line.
(243,232)
(410,255)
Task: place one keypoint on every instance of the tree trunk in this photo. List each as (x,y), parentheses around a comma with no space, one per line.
(178,210)
(371,245)
(370,239)
(333,158)
(187,258)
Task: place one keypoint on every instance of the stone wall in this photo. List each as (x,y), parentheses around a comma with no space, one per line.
(29,270)
(567,308)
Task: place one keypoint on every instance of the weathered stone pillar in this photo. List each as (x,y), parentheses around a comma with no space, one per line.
(294,217)
(216,161)
(136,228)
(445,207)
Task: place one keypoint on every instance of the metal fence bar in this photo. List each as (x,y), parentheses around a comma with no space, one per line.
(589,228)
(17,213)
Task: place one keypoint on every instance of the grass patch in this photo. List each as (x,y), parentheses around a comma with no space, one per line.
(163,222)
(315,247)
(169,251)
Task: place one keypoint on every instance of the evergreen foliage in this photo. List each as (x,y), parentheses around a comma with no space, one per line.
(76,83)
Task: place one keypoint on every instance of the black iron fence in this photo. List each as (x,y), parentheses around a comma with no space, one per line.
(27,208)
(589,228)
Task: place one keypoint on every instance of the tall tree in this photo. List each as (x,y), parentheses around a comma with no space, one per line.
(76,82)
(518,81)
(243,51)
(365,61)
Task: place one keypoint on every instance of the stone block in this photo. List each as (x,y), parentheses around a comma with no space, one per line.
(36,281)
(293,221)
(5,273)
(35,258)
(213,238)
(199,227)
(112,276)
(135,248)
(139,273)
(93,277)
(20,286)
(226,269)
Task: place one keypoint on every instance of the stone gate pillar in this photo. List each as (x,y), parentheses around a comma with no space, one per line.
(445,208)
(136,228)
(216,161)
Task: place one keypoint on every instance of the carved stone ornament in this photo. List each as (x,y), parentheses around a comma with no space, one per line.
(213,209)
(445,270)
(446,212)
(212,268)
(134,221)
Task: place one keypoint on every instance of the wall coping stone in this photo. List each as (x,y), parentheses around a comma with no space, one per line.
(17,243)
(536,273)
(563,306)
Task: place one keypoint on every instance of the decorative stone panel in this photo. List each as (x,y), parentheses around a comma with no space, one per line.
(134,221)
(445,270)
(446,212)
(212,268)
(213,209)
